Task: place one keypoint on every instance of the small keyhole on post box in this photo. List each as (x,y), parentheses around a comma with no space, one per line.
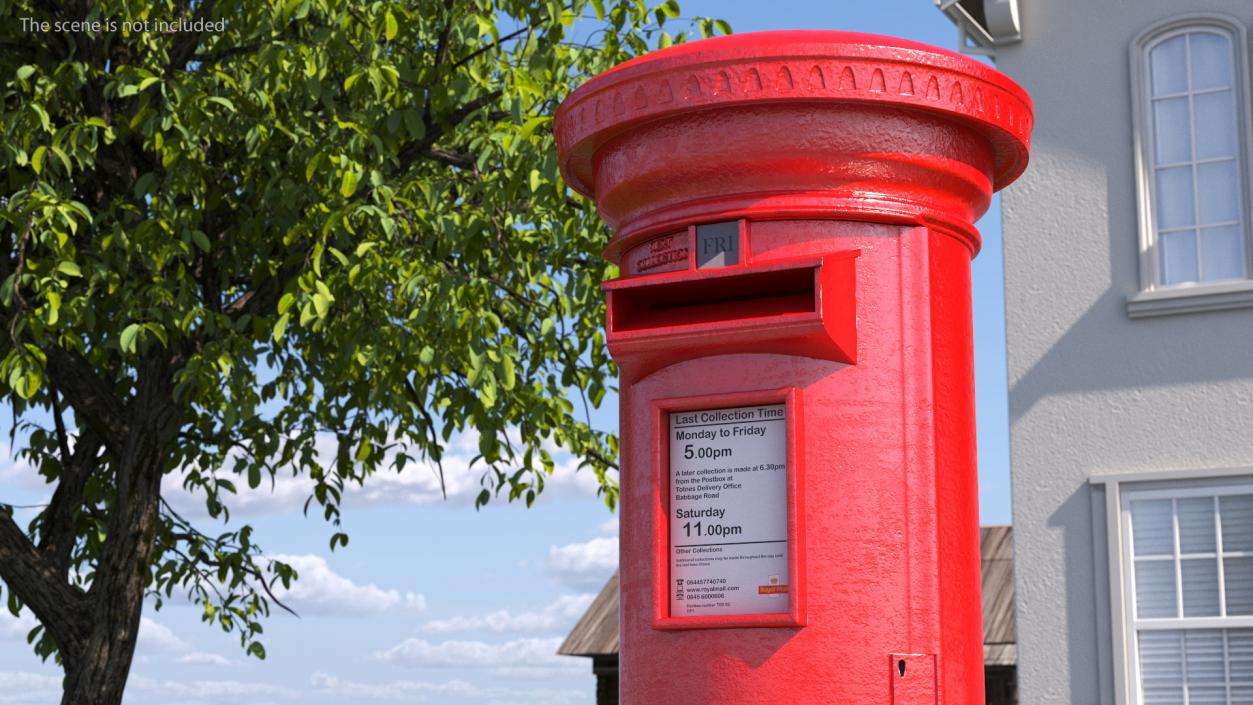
(900,666)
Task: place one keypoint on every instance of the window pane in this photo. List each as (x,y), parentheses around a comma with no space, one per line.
(1238,581)
(1169,67)
(1200,587)
(1171,131)
(1218,187)
(1179,257)
(1174,198)
(1152,527)
(1196,525)
(1222,253)
(1203,659)
(1215,124)
(1155,589)
(1161,667)
(1240,655)
(1207,693)
(1237,512)
(1211,60)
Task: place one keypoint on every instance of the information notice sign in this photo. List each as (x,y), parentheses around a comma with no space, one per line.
(728,511)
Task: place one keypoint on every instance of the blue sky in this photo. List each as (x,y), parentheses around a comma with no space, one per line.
(433,601)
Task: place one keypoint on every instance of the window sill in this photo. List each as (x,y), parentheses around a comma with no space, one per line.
(1191,299)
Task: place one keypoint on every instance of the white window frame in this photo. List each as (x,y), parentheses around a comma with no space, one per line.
(1155,299)
(1119,489)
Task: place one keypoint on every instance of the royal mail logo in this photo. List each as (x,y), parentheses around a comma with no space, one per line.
(774,588)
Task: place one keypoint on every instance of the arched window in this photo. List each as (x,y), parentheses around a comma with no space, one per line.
(1190,117)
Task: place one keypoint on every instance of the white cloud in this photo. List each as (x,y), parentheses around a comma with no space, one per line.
(419,484)
(320,590)
(18,688)
(556,617)
(16,627)
(529,656)
(609,527)
(584,565)
(204,658)
(417,691)
(156,637)
(212,691)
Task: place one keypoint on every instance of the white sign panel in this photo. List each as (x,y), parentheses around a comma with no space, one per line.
(728,511)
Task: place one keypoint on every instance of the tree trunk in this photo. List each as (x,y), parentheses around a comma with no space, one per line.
(116,598)
(98,676)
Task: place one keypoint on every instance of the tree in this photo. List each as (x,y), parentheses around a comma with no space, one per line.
(233,228)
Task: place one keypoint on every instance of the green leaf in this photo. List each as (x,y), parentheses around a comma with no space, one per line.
(69,268)
(25,72)
(348,186)
(222,102)
(254,476)
(130,336)
(392,26)
(37,159)
(54,307)
(532,125)
(44,121)
(324,290)
(487,392)
(280,327)
(26,381)
(147,82)
(312,167)
(322,299)
(414,124)
(508,375)
(321,305)
(145,184)
(65,159)
(201,240)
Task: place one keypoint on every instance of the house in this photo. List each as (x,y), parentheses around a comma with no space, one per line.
(596,634)
(1129,310)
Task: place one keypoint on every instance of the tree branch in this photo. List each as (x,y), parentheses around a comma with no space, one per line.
(60,520)
(185,46)
(57,605)
(493,45)
(91,398)
(423,147)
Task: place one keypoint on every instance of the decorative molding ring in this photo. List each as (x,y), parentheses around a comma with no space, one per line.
(794,66)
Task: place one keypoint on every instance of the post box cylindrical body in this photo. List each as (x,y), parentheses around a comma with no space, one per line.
(793,216)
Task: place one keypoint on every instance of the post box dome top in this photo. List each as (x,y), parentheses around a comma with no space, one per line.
(807,66)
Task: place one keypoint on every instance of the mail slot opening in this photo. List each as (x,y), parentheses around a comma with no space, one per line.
(715,299)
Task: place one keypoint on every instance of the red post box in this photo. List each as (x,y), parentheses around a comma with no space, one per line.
(793,215)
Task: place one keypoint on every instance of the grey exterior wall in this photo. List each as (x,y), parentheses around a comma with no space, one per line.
(1091,390)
